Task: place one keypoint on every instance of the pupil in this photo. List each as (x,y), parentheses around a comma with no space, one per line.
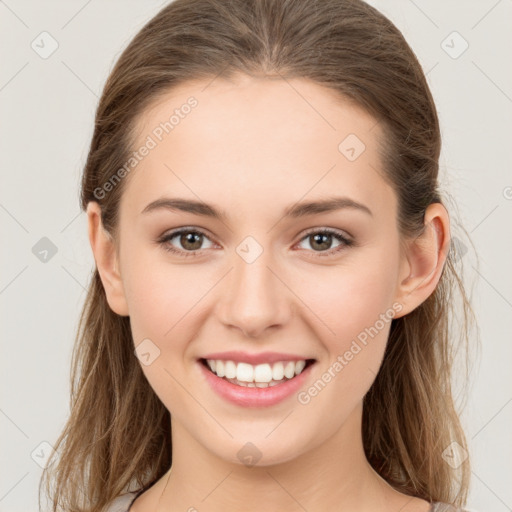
(188,238)
(322,236)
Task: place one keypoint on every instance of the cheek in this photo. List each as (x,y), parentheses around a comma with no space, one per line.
(353,307)
(158,292)
(350,298)
(356,309)
(163,304)
(345,298)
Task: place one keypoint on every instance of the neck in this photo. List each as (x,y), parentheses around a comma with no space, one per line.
(334,475)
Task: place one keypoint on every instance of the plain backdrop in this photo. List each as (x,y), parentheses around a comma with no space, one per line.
(47,105)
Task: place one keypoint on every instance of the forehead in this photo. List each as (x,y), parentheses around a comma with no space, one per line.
(253,137)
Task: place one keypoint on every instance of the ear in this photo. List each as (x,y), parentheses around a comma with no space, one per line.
(106,257)
(423,259)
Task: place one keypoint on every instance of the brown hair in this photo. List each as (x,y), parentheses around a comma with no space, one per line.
(118,432)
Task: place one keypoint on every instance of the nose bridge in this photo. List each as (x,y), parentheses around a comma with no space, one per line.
(253,298)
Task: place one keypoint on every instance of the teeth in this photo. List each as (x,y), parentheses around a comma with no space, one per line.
(278,371)
(219,368)
(254,384)
(244,372)
(299,366)
(289,370)
(260,375)
(230,370)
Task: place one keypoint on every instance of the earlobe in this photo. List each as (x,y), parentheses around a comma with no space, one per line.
(106,258)
(424,259)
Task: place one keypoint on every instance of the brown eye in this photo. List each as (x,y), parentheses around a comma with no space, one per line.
(321,241)
(191,241)
(188,242)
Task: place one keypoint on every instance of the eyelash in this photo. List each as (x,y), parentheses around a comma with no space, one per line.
(327,231)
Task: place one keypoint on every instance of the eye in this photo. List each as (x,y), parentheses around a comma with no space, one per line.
(322,239)
(190,239)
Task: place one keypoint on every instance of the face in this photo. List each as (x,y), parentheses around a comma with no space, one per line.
(267,275)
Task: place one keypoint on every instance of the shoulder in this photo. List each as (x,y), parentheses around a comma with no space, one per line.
(122,503)
(446,507)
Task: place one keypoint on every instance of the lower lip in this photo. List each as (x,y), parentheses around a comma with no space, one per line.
(255,397)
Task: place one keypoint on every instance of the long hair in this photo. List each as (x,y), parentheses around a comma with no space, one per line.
(117,437)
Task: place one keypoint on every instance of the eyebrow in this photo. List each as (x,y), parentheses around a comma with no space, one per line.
(295,211)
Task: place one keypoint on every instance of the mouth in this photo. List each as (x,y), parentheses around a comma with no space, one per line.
(256,376)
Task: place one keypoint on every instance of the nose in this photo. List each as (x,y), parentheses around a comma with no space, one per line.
(254,296)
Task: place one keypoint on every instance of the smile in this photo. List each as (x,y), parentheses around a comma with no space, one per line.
(260,385)
(261,375)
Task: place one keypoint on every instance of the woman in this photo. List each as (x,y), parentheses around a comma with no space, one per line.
(267,324)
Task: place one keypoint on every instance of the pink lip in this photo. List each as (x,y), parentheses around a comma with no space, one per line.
(254,397)
(263,357)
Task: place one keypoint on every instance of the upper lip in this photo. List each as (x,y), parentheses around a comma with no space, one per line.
(263,357)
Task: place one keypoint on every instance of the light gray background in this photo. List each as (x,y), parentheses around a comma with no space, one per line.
(47,108)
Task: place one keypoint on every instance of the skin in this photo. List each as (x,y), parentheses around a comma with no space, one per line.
(253,147)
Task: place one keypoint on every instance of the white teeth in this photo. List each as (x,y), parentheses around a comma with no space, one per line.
(255,384)
(219,368)
(244,372)
(278,371)
(299,366)
(289,370)
(230,370)
(260,375)
(263,373)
